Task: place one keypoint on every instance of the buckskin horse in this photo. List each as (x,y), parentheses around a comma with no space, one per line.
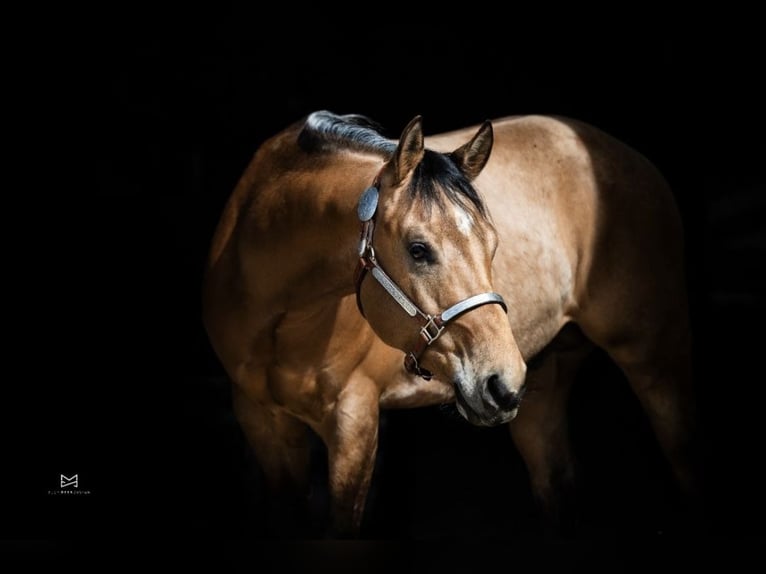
(350,272)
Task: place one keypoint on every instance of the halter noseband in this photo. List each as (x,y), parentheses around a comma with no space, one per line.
(431,326)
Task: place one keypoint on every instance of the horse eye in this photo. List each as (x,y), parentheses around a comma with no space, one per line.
(419,251)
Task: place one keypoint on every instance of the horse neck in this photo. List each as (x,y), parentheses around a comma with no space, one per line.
(309,231)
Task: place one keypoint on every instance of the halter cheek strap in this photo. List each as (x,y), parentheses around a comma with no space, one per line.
(431,326)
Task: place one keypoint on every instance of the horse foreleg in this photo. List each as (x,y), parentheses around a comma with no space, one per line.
(281,446)
(663,385)
(540,433)
(351,436)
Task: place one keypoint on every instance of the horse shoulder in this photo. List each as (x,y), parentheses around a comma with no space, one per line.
(615,219)
(541,199)
(632,274)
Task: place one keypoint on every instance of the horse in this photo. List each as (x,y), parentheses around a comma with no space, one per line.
(350,273)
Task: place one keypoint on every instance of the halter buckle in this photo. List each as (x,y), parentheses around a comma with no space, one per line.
(431,331)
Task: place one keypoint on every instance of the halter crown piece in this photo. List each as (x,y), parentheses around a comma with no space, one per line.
(431,326)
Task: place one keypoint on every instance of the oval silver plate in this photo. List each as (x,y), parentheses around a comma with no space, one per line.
(368,204)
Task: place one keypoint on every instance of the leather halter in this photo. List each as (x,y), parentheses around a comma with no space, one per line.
(431,326)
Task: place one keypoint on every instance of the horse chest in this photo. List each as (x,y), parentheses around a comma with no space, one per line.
(326,336)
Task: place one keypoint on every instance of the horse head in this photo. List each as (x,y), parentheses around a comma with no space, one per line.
(429,242)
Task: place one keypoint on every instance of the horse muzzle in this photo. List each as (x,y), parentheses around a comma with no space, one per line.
(490,402)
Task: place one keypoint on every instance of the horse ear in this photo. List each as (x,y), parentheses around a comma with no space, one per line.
(409,152)
(471,158)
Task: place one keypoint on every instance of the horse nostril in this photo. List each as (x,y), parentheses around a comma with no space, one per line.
(504,398)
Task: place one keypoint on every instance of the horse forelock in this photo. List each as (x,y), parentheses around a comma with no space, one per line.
(437,178)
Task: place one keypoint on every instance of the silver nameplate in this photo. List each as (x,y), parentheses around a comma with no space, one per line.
(368,203)
(394,291)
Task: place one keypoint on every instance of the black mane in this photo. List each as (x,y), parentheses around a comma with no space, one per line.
(435,177)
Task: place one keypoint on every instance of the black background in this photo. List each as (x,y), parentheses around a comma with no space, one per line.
(156,113)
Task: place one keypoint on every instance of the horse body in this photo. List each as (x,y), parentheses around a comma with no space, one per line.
(586,232)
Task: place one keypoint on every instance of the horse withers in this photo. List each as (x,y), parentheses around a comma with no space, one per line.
(351,273)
